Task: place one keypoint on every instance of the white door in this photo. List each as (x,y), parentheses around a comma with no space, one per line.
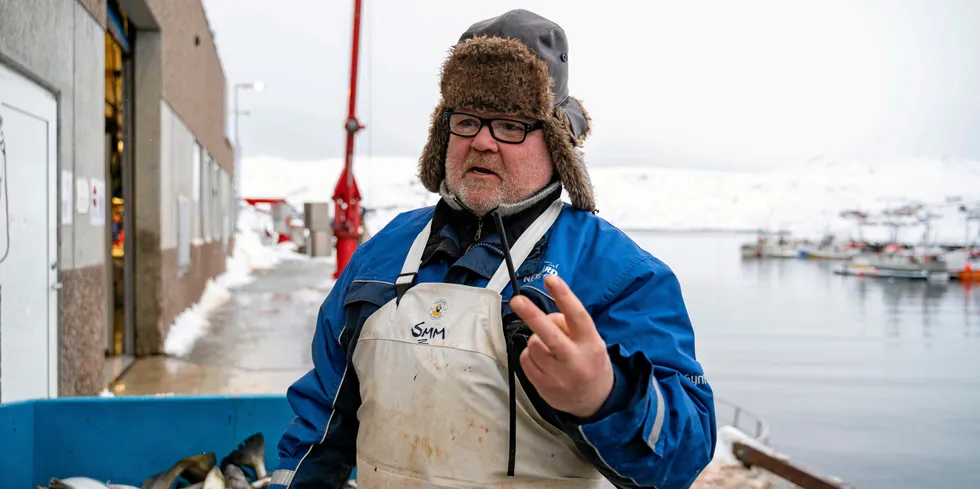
(28,247)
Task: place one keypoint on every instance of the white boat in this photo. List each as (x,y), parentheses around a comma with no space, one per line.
(829,249)
(766,247)
(782,252)
(866,270)
(936,266)
(751,250)
(842,253)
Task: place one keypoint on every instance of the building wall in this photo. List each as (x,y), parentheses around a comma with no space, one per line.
(185,191)
(180,154)
(60,45)
(194,81)
(192,192)
(97,9)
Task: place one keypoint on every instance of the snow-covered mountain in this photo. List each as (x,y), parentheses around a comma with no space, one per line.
(805,198)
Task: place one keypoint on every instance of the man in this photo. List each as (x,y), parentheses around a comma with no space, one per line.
(430,371)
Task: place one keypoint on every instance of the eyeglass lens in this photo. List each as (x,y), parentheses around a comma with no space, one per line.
(502,129)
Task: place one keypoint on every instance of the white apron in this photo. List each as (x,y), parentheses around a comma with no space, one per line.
(435,391)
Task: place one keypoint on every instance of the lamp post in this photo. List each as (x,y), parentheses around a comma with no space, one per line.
(347,195)
(236,183)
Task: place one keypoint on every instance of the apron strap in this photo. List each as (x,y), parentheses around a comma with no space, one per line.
(522,248)
(410,268)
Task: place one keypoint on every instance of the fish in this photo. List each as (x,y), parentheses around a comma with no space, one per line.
(213,480)
(235,478)
(82,483)
(232,477)
(196,463)
(197,470)
(243,468)
(249,454)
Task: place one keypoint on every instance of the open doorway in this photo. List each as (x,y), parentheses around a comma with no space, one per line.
(119,164)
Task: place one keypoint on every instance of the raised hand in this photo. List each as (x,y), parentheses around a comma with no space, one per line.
(565,358)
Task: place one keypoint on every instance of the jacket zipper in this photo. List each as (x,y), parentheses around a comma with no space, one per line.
(476,240)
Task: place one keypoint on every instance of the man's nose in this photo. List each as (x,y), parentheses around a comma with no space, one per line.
(483,141)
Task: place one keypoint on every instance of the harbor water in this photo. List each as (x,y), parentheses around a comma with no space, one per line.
(874,381)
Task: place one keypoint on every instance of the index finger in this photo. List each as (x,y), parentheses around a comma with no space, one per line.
(577,319)
(545,327)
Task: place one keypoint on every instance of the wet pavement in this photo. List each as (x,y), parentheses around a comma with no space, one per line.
(258,342)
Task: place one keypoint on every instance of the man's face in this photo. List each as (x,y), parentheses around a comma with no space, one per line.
(485,173)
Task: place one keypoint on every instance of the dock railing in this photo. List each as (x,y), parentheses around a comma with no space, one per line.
(788,474)
(729,413)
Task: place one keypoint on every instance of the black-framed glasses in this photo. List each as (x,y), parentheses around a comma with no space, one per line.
(510,131)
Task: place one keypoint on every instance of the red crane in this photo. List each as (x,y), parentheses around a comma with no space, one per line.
(346,195)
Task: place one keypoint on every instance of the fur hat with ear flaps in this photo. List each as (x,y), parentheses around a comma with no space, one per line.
(517,64)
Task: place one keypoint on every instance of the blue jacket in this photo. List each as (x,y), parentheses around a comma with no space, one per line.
(656,430)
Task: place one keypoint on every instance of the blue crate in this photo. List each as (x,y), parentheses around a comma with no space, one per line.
(128,439)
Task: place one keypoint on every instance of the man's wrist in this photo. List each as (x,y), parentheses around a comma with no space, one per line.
(618,397)
(608,385)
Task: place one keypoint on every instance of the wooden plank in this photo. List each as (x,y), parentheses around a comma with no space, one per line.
(753,457)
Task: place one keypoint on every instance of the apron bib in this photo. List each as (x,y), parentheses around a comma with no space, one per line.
(435,391)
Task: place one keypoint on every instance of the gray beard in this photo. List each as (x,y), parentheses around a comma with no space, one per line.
(503,209)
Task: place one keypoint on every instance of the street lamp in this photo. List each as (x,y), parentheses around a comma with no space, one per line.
(258,87)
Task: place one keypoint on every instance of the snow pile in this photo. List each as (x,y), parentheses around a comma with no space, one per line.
(193,323)
(725,448)
(255,247)
(253,252)
(805,198)
(725,470)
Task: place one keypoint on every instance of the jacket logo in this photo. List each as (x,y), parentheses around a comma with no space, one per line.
(548,269)
(438,309)
(423,335)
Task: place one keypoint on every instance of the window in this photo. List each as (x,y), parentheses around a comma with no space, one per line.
(183,234)
(196,191)
(215,200)
(205,190)
(225,208)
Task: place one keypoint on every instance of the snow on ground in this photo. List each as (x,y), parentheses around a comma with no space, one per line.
(805,198)
(252,253)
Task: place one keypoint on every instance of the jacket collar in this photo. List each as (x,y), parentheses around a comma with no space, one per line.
(455,228)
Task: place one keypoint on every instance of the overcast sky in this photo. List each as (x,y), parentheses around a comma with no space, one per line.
(720,84)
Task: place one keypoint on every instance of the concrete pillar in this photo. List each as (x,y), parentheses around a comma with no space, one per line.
(149,93)
(316,218)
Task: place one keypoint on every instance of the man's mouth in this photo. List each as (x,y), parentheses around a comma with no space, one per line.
(481,170)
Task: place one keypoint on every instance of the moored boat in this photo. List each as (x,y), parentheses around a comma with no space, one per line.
(898,262)
(766,247)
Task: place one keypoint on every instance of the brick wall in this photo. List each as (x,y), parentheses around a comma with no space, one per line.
(194,81)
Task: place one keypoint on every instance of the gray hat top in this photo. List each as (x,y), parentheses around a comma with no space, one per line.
(547,39)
